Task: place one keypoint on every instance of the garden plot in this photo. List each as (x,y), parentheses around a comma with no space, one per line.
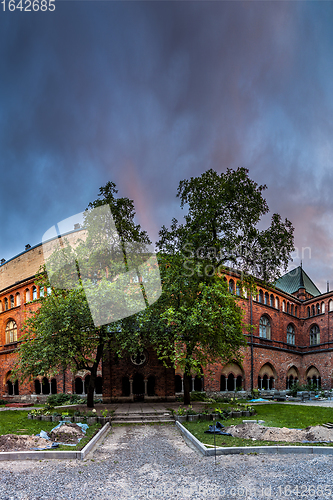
(258,432)
(66,434)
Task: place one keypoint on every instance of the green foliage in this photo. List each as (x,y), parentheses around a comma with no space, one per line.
(181,411)
(62,333)
(190,411)
(221,225)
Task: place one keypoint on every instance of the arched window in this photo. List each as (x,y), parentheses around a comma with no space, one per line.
(18,299)
(11,332)
(178,383)
(283,305)
(266,298)
(318,308)
(290,334)
(1,306)
(34,293)
(41,291)
(264,328)
(27,295)
(308,311)
(330,305)
(223,383)
(6,304)
(314,335)
(271,303)
(231,286)
(276,303)
(313,310)
(292,310)
(53,386)
(295,310)
(238,292)
(323,307)
(261,297)
(12,301)
(288,307)
(48,290)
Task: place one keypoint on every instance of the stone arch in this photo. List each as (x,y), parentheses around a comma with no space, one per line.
(37,386)
(45,386)
(292,376)
(313,376)
(266,377)
(54,388)
(232,377)
(78,385)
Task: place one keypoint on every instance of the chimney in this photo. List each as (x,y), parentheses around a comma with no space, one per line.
(27,246)
(76,226)
(328,286)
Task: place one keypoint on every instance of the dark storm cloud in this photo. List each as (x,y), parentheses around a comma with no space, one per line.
(146,94)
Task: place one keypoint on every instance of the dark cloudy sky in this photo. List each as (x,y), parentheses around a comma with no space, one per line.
(148,93)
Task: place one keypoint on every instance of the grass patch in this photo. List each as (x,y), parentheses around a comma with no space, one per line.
(17,422)
(275,415)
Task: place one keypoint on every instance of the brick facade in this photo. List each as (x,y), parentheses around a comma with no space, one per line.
(274,359)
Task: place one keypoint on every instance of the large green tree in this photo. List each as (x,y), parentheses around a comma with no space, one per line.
(221,225)
(91,295)
(220,229)
(196,321)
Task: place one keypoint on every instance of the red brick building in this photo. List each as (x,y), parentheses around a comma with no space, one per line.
(292,339)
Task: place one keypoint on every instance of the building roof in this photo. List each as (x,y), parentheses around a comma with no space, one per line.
(294,280)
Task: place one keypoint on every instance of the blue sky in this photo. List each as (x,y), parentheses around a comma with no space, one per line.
(148,93)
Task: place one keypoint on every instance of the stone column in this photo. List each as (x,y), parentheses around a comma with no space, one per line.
(193,383)
(261,384)
(182,384)
(146,386)
(317,382)
(131,386)
(202,384)
(235,386)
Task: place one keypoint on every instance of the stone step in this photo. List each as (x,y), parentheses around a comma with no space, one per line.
(141,417)
(143,421)
(141,414)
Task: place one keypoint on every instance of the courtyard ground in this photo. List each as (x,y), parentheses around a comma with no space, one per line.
(153,461)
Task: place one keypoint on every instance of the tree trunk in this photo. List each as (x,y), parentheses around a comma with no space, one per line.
(91,388)
(93,373)
(187,389)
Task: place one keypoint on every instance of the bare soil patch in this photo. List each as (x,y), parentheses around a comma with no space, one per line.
(13,442)
(67,433)
(255,432)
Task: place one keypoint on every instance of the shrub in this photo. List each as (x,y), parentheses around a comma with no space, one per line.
(58,399)
(3,402)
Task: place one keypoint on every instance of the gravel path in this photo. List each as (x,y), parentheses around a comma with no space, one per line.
(154,462)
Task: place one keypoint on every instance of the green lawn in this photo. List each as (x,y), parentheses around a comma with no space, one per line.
(17,422)
(275,415)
